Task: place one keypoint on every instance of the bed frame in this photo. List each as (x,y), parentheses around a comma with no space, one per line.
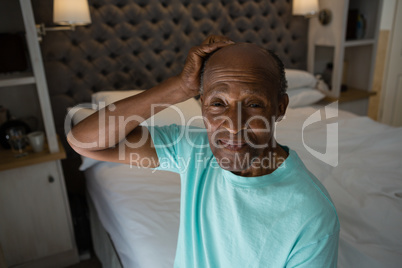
(139,43)
(102,243)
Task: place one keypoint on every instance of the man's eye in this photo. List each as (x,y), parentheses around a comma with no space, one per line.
(217,104)
(255,105)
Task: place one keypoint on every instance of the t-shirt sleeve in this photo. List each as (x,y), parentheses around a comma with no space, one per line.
(165,140)
(321,254)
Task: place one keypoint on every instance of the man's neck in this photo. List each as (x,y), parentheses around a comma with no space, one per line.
(267,163)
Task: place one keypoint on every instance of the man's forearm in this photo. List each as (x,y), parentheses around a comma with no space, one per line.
(114,122)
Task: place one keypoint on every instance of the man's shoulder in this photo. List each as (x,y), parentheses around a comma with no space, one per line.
(185,140)
(313,196)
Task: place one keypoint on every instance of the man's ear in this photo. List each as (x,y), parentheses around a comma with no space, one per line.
(202,99)
(282,106)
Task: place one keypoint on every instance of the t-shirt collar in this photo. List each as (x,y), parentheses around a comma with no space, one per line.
(277,175)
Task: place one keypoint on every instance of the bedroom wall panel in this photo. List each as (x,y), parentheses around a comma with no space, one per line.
(137,44)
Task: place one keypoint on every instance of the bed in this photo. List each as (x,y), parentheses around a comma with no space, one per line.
(137,44)
(139,208)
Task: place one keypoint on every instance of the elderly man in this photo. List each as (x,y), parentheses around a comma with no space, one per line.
(246,201)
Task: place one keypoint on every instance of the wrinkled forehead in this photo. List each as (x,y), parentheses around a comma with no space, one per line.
(242,60)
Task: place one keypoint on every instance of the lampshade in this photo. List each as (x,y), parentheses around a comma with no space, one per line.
(73,12)
(305,7)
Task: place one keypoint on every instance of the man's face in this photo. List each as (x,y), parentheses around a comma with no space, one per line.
(240,106)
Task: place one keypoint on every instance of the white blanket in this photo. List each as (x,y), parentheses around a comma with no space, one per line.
(140,209)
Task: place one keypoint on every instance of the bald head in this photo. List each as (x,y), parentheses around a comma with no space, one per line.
(241,58)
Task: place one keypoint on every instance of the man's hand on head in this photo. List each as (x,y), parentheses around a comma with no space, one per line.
(217,39)
(190,75)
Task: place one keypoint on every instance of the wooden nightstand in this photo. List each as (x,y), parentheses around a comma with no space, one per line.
(352,100)
(36,229)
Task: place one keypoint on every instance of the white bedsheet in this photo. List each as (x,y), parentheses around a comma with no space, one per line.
(140,209)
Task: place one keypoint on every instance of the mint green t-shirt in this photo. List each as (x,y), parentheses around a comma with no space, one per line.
(283,219)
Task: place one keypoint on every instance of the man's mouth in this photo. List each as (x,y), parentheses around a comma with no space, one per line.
(232,145)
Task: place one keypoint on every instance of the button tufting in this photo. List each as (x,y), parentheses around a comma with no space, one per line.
(132,22)
(150,39)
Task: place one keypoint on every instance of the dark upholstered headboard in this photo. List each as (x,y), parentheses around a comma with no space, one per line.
(138,43)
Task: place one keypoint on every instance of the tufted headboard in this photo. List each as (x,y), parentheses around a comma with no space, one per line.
(138,43)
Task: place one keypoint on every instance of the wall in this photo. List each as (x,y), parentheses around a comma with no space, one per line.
(387,17)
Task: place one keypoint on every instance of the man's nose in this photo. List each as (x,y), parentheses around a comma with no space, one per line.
(235,119)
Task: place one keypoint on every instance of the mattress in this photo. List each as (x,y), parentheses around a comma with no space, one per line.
(139,207)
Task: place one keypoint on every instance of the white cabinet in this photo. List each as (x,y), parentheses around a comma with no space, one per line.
(35,227)
(35,222)
(349,48)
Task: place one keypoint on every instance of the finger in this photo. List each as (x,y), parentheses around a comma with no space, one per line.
(206,49)
(216,39)
(198,54)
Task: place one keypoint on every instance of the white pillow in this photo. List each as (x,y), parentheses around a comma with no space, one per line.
(112,96)
(80,112)
(303,97)
(299,79)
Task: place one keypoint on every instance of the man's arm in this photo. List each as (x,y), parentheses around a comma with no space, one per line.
(321,254)
(113,133)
